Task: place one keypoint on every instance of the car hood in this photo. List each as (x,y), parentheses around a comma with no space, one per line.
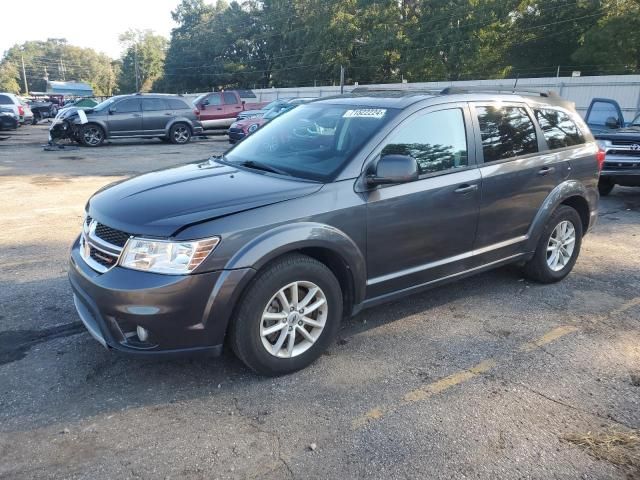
(160,203)
(246,123)
(627,133)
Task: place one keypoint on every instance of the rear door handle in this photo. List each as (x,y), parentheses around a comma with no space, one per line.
(136,115)
(546,170)
(466,188)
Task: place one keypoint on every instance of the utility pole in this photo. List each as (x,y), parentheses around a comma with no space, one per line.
(341,79)
(24,74)
(135,61)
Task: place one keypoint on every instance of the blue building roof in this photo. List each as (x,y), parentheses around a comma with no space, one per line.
(70,88)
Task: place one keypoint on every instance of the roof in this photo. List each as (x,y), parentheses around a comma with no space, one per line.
(69,88)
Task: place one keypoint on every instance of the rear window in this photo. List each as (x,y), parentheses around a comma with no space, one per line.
(558,129)
(5,100)
(176,104)
(507,131)
(601,112)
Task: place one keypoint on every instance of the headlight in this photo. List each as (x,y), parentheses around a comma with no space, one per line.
(160,256)
(603,144)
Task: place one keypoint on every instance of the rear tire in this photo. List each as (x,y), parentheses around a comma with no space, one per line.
(180,133)
(91,135)
(605,187)
(305,283)
(36,119)
(558,247)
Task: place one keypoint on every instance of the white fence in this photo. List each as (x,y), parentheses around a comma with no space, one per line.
(580,90)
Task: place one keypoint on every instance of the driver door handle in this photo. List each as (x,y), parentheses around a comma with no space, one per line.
(546,170)
(466,188)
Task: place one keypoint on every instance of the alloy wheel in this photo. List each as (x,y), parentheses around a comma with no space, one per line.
(181,134)
(293,319)
(92,135)
(561,245)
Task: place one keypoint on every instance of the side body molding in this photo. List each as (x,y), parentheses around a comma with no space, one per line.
(295,236)
(568,188)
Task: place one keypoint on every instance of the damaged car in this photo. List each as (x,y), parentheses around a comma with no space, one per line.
(167,117)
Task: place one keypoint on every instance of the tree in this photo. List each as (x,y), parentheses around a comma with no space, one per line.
(142,61)
(9,77)
(612,44)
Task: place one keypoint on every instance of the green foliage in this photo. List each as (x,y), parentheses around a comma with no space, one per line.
(57,60)
(142,61)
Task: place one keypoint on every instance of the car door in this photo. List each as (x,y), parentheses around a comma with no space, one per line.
(125,118)
(518,173)
(604,115)
(232,105)
(424,230)
(211,111)
(155,115)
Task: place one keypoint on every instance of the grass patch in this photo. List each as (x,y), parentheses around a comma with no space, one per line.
(617,447)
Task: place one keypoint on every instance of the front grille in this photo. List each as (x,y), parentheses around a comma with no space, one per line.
(103,258)
(621,166)
(625,153)
(111,235)
(625,142)
(108,234)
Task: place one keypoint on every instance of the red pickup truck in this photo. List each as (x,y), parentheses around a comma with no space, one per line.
(220,109)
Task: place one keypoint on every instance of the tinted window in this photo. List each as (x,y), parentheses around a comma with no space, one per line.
(152,104)
(601,111)
(436,140)
(129,105)
(558,128)
(5,100)
(214,99)
(506,132)
(229,98)
(175,104)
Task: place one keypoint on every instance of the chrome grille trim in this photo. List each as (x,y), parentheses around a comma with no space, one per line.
(90,244)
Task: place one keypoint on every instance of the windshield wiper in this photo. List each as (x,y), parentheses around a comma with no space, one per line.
(262,166)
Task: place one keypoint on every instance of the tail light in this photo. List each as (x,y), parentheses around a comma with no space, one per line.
(600,157)
(20,110)
(196,112)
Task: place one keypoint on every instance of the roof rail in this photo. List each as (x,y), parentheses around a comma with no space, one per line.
(394,89)
(499,89)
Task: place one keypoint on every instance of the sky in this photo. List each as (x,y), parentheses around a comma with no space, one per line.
(82,22)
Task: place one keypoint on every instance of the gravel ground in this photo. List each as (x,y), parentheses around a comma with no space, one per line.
(489,377)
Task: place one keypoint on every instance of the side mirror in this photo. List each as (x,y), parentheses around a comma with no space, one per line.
(612,122)
(112,110)
(243,102)
(394,169)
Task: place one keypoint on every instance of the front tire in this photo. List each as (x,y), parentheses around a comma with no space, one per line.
(91,135)
(288,316)
(558,247)
(180,133)
(605,187)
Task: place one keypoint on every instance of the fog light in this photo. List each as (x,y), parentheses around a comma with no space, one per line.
(143,334)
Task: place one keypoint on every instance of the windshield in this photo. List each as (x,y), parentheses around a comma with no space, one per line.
(274,112)
(636,122)
(105,104)
(311,141)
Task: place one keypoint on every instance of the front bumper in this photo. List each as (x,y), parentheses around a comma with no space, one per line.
(235,135)
(182,313)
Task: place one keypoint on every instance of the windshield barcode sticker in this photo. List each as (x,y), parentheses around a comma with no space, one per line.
(365,113)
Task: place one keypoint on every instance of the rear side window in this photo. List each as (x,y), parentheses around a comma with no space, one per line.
(176,104)
(558,129)
(214,99)
(229,98)
(5,100)
(437,141)
(506,132)
(153,104)
(129,105)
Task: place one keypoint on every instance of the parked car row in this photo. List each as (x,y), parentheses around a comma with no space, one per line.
(18,106)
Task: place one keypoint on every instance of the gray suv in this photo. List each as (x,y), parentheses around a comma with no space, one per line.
(168,117)
(337,206)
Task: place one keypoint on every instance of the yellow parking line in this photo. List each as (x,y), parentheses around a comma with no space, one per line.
(448,382)
(548,337)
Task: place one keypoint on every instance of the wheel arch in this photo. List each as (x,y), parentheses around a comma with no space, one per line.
(571,193)
(325,243)
(176,120)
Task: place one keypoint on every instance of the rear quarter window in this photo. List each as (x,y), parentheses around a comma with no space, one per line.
(5,100)
(229,98)
(558,128)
